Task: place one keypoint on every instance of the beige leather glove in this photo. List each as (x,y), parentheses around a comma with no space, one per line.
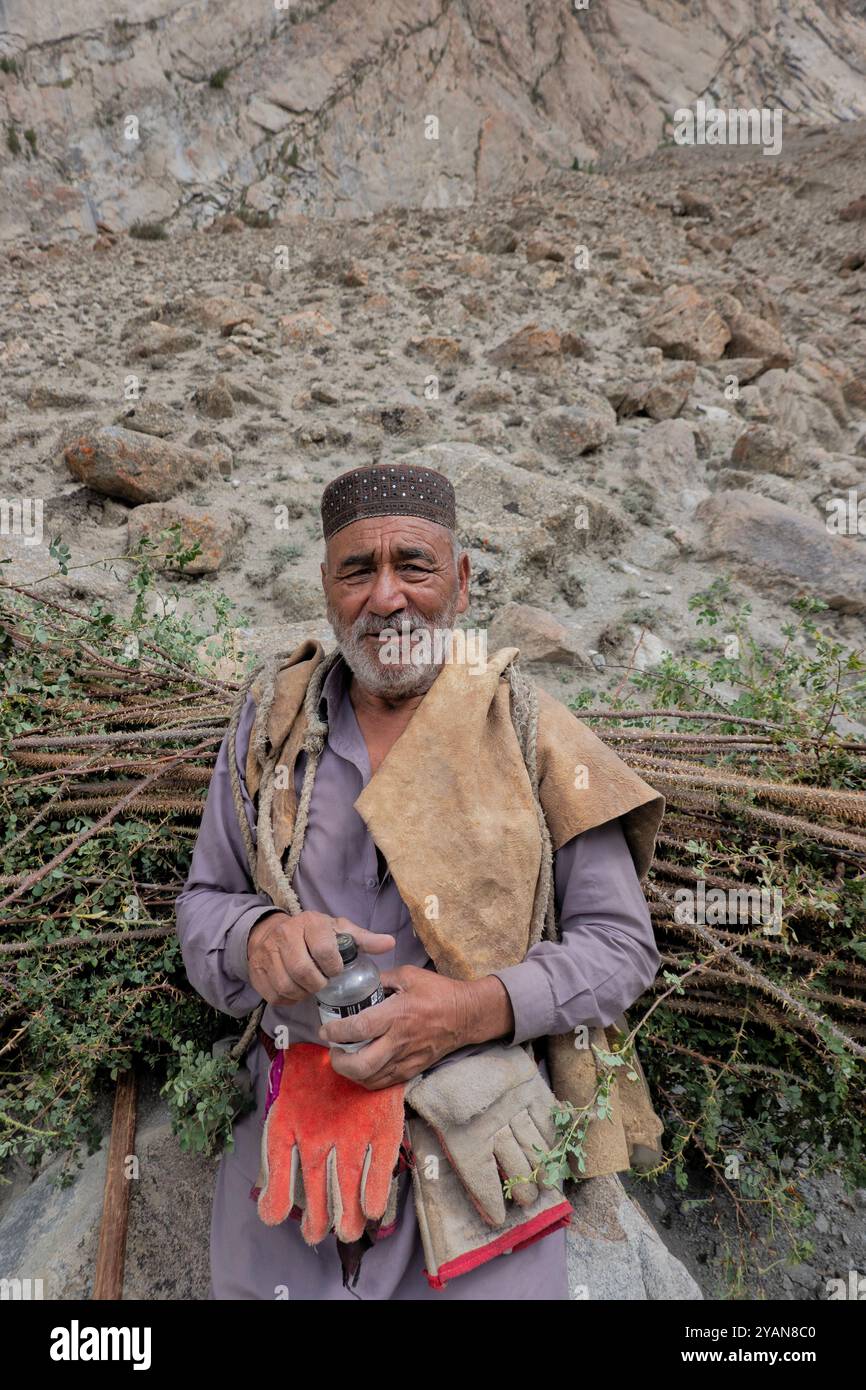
(473,1118)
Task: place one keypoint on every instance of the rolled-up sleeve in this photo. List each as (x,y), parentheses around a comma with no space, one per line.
(218,906)
(608,954)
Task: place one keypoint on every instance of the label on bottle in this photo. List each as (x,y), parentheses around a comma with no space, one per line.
(328,1012)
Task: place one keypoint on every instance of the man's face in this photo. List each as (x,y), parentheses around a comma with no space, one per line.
(384,572)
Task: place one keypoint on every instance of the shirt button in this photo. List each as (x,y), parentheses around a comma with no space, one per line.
(372,882)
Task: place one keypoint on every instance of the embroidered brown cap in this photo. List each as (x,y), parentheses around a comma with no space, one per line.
(387,489)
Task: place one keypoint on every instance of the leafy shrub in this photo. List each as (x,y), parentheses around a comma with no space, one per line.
(753,1042)
(255,219)
(148,231)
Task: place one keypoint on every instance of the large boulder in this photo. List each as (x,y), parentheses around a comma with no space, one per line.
(213,532)
(306,327)
(298,598)
(51,1233)
(538,634)
(668,454)
(763,449)
(807,404)
(534,348)
(569,430)
(684,324)
(668,394)
(136,467)
(440,351)
(752,336)
(771,543)
(614,1252)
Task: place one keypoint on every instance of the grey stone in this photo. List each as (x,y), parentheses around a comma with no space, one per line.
(615,1254)
(763,449)
(51,1233)
(771,542)
(150,417)
(538,634)
(570,430)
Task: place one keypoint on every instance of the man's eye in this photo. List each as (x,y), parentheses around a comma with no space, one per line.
(422,569)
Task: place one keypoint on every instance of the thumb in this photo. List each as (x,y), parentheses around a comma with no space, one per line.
(374,942)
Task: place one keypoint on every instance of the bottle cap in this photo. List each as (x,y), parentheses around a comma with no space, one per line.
(347,946)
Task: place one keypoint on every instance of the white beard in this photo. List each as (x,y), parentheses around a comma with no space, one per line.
(363,657)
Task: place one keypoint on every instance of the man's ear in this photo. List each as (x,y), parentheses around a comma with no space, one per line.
(464,571)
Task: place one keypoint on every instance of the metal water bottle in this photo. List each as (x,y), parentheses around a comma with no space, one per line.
(358,986)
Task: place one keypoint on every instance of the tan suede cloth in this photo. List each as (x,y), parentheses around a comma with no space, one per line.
(451,809)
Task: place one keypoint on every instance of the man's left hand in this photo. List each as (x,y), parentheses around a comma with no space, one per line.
(425,1018)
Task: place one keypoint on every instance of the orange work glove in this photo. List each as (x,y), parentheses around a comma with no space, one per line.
(337,1138)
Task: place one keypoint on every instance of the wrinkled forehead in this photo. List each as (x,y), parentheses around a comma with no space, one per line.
(384,539)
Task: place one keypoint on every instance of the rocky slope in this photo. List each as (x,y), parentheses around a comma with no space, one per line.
(639,380)
(180,109)
(682,405)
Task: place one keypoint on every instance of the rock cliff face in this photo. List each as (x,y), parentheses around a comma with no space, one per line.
(180,109)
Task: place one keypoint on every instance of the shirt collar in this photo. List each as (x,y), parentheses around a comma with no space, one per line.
(344,731)
(334,690)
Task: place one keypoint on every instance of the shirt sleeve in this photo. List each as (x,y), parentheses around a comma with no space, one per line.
(218,906)
(608,954)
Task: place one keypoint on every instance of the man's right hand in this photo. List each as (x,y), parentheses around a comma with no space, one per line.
(291,958)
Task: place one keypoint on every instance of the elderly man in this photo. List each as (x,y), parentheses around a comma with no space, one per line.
(485,849)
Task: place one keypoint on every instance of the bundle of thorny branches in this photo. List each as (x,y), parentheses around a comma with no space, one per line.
(753,1036)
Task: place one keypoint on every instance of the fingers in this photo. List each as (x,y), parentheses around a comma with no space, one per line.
(296,966)
(376,1179)
(542,1114)
(270,951)
(513,1161)
(318,1199)
(371,1067)
(292,958)
(320,937)
(481,1180)
(345,1177)
(375,943)
(363,1027)
(532,1142)
(406,977)
(279,1166)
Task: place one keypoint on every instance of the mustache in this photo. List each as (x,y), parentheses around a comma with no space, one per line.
(372,624)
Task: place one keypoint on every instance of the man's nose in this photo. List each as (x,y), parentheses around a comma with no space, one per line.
(386,595)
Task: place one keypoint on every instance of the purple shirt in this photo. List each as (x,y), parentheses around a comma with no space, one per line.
(606,959)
